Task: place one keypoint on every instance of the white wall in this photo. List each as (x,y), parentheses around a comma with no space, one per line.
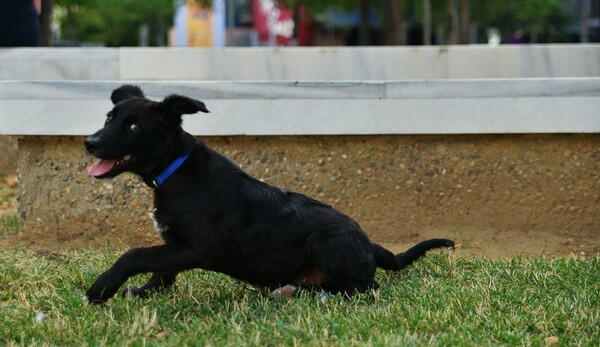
(314,63)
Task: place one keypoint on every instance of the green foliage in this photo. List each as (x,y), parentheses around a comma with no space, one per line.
(538,16)
(316,6)
(114,22)
(117,22)
(491,12)
(441,300)
(9,224)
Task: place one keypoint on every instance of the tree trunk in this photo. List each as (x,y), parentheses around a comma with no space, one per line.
(464,22)
(72,26)
(161,31)
(584,21)
(533,37)
(394,22)
(440,34)
(363,31)
(46,23)
(453,22)
(427,22)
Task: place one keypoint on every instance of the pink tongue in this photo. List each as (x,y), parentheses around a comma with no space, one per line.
(101,167)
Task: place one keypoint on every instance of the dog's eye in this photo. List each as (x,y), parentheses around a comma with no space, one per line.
(109,118)
(134,127)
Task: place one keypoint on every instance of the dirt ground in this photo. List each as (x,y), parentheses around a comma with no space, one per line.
(486,243)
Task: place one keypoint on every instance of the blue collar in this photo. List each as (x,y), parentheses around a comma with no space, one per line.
(160,179)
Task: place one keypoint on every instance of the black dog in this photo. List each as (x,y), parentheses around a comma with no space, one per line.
(214,216)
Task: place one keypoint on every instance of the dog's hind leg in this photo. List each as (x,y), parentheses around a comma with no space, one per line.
(347,262)
(158,282)
(284,292)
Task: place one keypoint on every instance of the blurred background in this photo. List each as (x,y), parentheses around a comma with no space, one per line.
(221,23)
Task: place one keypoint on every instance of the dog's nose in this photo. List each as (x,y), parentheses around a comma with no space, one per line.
(91,144)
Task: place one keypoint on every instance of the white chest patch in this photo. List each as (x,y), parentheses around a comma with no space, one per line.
(159,227)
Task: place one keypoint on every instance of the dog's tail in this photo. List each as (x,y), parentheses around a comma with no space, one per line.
(388,261)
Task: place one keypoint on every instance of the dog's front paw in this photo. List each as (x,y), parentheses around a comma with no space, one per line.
(130,293)
(87,300)
(93,297)
(102,290)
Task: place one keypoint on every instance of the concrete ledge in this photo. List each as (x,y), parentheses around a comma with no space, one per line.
(302,63)
(362,63)
(400,189)
(59,64)
(568,105)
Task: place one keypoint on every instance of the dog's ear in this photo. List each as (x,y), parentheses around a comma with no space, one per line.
(125,92)
(178,105)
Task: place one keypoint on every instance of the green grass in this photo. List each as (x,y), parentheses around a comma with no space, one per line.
(441,300)
(9,224)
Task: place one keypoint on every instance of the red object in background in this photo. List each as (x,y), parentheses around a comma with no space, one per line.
(304,27)
(265,11)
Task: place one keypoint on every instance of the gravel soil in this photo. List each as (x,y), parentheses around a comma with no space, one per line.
(501,196)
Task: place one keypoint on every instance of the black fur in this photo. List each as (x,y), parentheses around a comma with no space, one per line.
(216,217)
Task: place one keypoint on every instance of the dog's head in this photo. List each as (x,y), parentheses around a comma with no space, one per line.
(138,132)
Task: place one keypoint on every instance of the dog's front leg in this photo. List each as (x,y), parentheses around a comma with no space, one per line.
(156,283)
(159,259)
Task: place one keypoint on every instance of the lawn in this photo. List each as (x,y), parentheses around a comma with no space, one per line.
(443,299)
